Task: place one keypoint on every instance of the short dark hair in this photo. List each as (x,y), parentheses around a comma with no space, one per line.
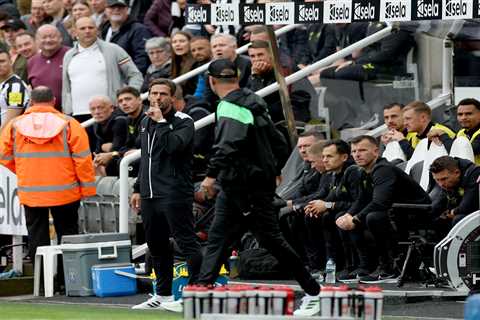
(468,101)
(41,94)
(444,163)
(3,49)
(315,133)
(25,33)
(133,91)
(362,137)
(166,82)
(393,105)
(342,146)
(198,38)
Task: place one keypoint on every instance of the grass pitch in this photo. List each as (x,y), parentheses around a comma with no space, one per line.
(35,311)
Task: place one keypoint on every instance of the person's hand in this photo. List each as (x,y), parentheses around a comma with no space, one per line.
(135,202)
(434,136)
(208,187)
(396,135)
(102,159)
(260,67)
(278,180)
(343,65)
(314,79)
(345,222)
(315,208)
(107,147)
(154,112)
(129,152)
(450,214)
(210,29)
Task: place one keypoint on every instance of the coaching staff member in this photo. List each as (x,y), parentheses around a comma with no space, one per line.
(165,188)
(247,156)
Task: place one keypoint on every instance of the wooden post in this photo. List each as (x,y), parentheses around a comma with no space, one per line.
(283,89)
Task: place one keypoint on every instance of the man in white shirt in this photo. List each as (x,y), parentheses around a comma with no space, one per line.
(94,67)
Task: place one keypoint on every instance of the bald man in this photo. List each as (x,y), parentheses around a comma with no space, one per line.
(45,67)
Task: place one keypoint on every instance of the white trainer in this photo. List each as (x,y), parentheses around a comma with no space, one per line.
(154,302)
(173,305)
(310,306)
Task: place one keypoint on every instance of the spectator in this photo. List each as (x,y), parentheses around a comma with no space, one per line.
(166,199)
(393,119)
(390,185)
(182,60)
(81,8)
(109,65)
(159,51)
(247,158)
(458,179)
(99,15)
(468,116)
(124,31)
(263,74)
(139,8)
(9,7)
(111,131)
(130,102)
(321,43)
(48,183)
(417,119)
(14,95)
(45,67)
(201,52)
(57,13)
(26,48)
(37,16)
(11,29)
(158,18)
(383,59)
(347,190)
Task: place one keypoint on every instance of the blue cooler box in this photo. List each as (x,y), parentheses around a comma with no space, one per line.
(106,283)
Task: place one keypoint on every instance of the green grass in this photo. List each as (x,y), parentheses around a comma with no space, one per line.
(35,311)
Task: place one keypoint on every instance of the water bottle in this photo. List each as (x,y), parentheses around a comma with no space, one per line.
(330,271)
(233,264)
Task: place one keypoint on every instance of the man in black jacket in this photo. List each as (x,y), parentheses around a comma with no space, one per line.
(129,34)
(345,191)
(458,179)
(390,185)
(247,157)
(165,188)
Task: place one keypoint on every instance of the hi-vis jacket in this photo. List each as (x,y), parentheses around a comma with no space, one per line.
(50,154)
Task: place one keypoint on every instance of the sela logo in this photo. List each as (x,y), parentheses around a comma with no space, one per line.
(366,12)
(197,14)
(338,11)
(280,13)
(253,14)
(455,8)
(395,10)
(427,9)
(308,13)
(224,14)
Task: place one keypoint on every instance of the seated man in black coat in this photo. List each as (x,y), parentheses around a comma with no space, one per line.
(458,179)
(390,185)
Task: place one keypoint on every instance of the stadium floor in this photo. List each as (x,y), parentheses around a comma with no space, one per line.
(410,302)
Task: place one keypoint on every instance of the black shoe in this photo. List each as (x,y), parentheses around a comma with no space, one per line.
(353,276)
(380,275)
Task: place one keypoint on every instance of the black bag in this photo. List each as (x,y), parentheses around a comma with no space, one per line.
(259,264)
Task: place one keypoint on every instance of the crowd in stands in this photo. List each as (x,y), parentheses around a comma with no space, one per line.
(99,56)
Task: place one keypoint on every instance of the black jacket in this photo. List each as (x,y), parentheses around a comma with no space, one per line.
(310,180)
(113,130)
(166,162)
(322,42)
(464,199)
(391,185)
(131,37)
(248,152)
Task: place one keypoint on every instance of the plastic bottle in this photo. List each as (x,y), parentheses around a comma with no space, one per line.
(330,271)
(233,264)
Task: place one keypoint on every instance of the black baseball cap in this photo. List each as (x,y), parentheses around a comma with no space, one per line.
(222,68)
(15,24)
(120,3)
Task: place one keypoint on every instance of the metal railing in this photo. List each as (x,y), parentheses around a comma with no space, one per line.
(124,164)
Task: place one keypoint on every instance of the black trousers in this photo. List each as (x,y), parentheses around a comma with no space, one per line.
(162,220)
(65,220)
(314,243)
(236,212)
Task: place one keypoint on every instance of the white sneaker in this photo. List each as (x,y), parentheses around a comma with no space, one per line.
(173,305)
(155,302)
(310,306)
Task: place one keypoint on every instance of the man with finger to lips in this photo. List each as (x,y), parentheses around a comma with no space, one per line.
(164,190)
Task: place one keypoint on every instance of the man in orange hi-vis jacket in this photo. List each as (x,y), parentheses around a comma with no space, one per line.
(49,152)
